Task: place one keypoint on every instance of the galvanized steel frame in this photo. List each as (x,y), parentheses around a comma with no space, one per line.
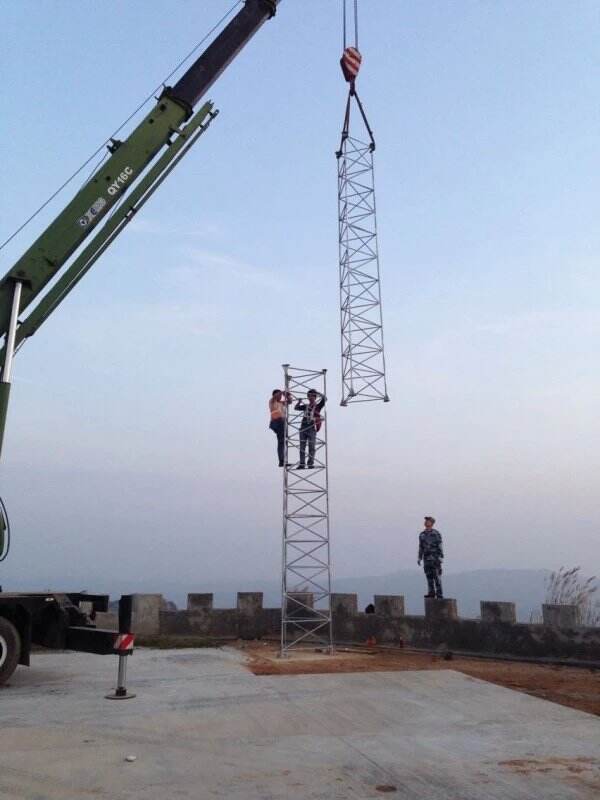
(363,358)
(306,555)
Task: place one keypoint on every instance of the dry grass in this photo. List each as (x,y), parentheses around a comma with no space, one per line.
(569,587)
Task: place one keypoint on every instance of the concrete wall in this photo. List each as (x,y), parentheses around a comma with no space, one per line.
(249,620)
(497,632)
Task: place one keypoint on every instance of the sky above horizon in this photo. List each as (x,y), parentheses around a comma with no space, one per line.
(137,441)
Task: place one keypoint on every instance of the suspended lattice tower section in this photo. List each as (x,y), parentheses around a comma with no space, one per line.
(306,568)
(363,358)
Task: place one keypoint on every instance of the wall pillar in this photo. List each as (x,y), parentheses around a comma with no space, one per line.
(249,602)
(438,610)
(496,611)
(561,616)
(299,602)
(250,615)
(344,603)
(200,602)
(389,605)
(146,609)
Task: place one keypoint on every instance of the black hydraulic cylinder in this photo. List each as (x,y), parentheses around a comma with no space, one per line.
(4,395)
(207,68)
(125,613)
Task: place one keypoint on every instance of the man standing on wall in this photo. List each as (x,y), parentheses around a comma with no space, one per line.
(432,554)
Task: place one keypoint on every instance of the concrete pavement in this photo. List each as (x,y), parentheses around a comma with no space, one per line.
(203,727)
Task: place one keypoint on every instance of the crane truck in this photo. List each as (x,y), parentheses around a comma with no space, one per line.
(54,264)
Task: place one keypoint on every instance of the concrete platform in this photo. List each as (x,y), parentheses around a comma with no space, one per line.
(203,727)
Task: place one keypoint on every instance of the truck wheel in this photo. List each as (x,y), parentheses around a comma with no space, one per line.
(10,649)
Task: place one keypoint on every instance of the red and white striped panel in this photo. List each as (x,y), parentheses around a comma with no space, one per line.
(124,642)
(350,62)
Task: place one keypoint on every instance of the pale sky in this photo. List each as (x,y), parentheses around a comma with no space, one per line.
(137,440)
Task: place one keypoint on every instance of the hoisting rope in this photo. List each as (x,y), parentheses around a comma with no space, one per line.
(350,63)
(355,22)
(108,141)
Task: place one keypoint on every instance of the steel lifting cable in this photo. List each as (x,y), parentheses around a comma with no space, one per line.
(355,22)
(122,125)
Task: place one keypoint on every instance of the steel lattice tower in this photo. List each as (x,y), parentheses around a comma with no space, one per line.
(306,568)
(363,359)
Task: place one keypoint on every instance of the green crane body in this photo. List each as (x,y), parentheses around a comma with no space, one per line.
(134,170)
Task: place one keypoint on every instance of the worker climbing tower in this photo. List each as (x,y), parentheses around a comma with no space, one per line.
(306,570)
(363,359)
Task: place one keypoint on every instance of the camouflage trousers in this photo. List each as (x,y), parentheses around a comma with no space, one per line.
(432,570)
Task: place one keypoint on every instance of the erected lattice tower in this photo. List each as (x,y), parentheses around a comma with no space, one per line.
(306,569)
(363,359)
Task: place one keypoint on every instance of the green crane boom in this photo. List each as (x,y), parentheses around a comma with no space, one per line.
(57,260)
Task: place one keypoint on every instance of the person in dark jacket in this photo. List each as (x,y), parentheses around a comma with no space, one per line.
(431,553)
(309,426)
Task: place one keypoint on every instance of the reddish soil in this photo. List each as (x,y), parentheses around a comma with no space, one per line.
(569,686)
(581,772)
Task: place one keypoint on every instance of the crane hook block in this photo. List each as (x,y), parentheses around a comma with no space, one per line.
(350,63)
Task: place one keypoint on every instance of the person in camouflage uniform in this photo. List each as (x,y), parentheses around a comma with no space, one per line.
(431,554)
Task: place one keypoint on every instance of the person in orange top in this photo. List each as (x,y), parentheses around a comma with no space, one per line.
(277,405)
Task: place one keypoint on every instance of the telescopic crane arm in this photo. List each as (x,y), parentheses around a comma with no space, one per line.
(135,168)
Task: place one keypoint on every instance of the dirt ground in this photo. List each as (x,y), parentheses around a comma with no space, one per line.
(569,686)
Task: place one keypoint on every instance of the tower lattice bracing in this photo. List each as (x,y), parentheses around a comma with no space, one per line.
(306,568)
(363,359)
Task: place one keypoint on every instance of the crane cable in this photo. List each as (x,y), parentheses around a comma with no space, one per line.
(355,22)
(129,118)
